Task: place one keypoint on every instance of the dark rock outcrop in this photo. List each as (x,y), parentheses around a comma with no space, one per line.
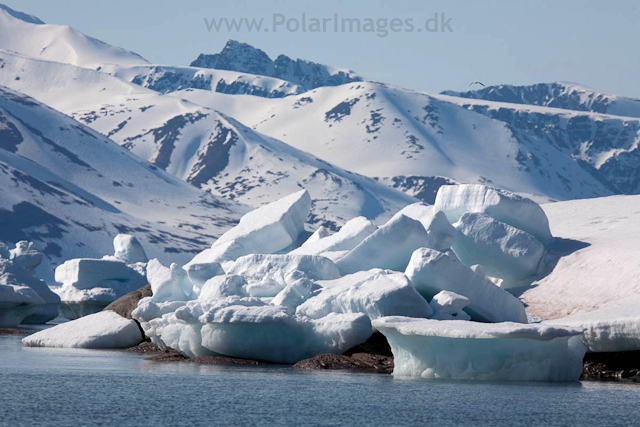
(377,344)
(11,331)
(620,366)
(373,356)
(171,355)
(127,303)
(244,58)
(147,347)
(363,362)
(221,360)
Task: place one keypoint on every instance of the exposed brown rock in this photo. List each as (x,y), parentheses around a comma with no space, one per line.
(363,362)
(129,302)
(171,355)
(147,347)
(221,360)
(11,331)
(168,355)
(376,344)
(618,366)
(374,356)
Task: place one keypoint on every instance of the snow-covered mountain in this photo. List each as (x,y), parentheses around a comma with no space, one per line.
(605,145)
(71,190)
(412,140)
(200,145)
(28,35)
(244,58)
(568,96)
(166,78)
(243,128)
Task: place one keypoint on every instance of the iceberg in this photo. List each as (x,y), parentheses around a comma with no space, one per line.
(266,230)
(129,249)
(168,283)
(504,251)
(297,291)
(269,274)
(376,293)
(320,233)
(16,302)
(350,235)
(219,287)
(458,349)
(86,273)
(102,330)
(449,306)
(88,285)
(257,266)
(253,329)
(610,329)
(519,212)
(26,256)
(17,267)
(201,272)
(418,211)
(441,232)
(390,247)
(431,271)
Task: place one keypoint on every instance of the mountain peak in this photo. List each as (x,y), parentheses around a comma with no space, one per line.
(564,95)
(237,56)
(21,15)
(244,58)
(27,35)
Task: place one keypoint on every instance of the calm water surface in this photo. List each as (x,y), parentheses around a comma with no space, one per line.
(65,387)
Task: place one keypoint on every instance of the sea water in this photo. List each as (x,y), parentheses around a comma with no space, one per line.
(72,387)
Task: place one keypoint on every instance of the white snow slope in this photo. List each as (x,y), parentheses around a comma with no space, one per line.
(71,190)
(200,145)
(61,43)
(599,240)
(409,138)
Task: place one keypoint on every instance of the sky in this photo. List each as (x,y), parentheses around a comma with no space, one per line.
(593,43)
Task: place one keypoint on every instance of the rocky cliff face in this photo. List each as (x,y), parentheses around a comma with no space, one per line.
(244,58)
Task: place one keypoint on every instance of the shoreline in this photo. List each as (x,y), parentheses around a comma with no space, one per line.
(597,367)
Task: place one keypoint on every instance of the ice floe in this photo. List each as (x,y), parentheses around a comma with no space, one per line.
(423,282)
(88,285)
(470,350)
(24,298)
(519,212)
(504,251)
(266,230)
(105,329)
(376,292)
(431,271)
(389,247)
(608,329)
